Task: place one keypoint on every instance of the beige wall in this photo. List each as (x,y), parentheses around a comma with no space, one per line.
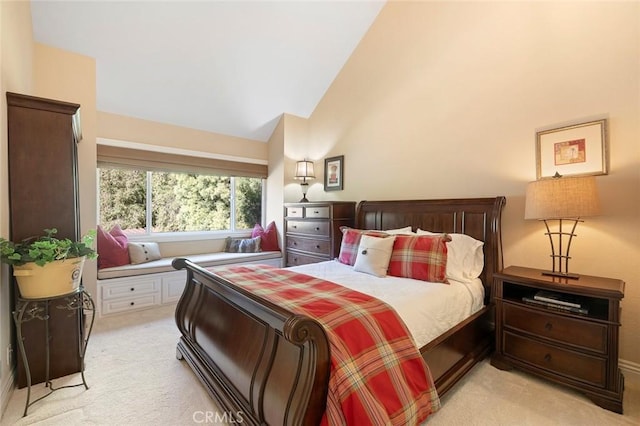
(130,129)
(274,187)
(287,144)
(444,99)
(16,56)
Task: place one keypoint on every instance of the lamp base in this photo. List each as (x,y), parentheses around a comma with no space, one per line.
(304,200)
(561,274)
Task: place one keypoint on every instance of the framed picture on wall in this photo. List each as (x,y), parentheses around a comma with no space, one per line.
(334,173)
(576,150)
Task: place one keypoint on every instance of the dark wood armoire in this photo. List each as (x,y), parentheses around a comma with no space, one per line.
(43,194)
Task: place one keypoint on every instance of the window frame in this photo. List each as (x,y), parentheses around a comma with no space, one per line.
(149,235)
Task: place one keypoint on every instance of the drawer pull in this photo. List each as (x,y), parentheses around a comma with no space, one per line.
(295,243)
(132,303)
(317,246)
(316,212)
(317,228)
(294,226)
(547,357)
(133,289)
(548,326)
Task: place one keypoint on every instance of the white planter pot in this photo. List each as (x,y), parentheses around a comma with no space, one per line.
(53,279)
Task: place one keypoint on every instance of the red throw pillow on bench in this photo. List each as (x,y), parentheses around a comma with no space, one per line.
(112,248)
(268,237)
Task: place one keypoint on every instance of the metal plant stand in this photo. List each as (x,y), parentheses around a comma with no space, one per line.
(30,309)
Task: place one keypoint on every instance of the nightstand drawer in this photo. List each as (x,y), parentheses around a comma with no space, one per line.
(316,212)
(320,228)
(296,259)
(571,364)
(322,247)
(572,331)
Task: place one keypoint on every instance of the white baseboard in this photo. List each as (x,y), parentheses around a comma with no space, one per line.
(629,368)
(6,390)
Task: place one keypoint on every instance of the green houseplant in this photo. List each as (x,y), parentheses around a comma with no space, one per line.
(47,266)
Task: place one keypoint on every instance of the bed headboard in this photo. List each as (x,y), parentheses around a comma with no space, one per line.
(477,217)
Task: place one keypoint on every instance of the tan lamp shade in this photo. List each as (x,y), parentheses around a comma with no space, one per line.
(304,170)
(562,198)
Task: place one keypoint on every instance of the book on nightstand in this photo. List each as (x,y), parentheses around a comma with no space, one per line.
(555,306)
(557,298)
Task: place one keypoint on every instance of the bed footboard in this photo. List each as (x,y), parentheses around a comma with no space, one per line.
(261,363)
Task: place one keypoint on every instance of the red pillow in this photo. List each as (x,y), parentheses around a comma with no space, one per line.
(420,257)
(350,242)
(112,248)
(268,237)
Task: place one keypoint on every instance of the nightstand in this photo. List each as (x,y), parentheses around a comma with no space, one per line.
(577,347)
(312,230)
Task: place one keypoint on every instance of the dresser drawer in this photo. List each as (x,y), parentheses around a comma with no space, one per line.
(322,247)
(295,212)
(571,364)
(317,212)
(296,259)
(316,228)
(583,334)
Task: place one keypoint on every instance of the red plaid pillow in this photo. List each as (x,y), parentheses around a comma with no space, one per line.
(351,241)
(420,257)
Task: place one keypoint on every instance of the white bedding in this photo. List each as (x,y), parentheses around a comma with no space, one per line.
(428,309)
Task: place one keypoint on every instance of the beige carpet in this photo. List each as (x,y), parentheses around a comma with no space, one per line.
(135,379)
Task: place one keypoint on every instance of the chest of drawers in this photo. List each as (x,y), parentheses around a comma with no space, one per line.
(574,345)
(312,230)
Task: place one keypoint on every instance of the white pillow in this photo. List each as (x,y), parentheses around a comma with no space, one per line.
(374,254)
(143,252)
(400,231)
(465,258)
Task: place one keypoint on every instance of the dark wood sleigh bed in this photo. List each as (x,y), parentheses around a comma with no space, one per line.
(266,365)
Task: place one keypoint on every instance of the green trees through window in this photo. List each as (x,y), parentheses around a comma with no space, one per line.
(152,202)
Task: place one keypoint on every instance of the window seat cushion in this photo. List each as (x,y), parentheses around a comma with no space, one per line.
(205,260)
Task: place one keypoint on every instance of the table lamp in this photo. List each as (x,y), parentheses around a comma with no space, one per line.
(304,171)
(565,199)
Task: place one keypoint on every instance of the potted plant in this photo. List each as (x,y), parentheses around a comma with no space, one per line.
(46,266)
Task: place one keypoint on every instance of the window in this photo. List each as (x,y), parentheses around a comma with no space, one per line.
(145,202)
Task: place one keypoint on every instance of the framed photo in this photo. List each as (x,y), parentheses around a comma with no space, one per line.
(576,150)
(334,173)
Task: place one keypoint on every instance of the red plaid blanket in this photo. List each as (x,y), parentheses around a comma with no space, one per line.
(377,374)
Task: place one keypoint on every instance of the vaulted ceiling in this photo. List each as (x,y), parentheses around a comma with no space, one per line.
(229,67)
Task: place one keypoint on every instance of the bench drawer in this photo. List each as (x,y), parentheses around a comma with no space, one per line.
(129,304)
(131,287)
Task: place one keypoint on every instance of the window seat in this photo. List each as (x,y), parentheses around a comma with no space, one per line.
(205,260)
(147,285)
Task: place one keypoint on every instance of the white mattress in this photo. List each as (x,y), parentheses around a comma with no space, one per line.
(428,309)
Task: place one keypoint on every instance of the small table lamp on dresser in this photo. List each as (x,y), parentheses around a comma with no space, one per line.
(304,171)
